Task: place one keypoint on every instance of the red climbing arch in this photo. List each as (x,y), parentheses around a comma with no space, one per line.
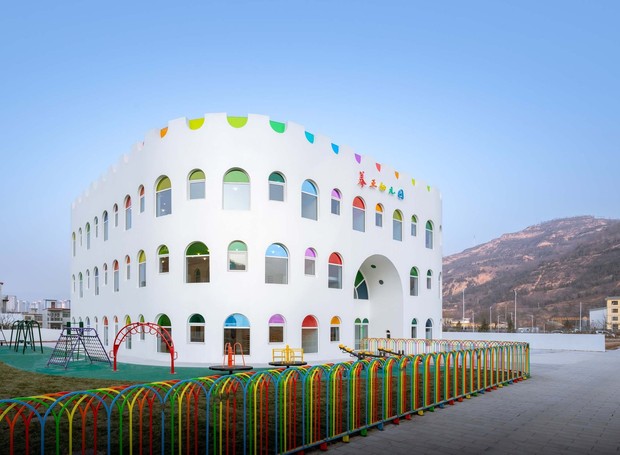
(151,328)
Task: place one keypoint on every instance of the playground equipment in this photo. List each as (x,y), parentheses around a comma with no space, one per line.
(383,353)
(78,343)
(143,328)
(230,359)
(287,357)
(23,332)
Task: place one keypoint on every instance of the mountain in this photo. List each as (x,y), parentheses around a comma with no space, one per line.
(553,266)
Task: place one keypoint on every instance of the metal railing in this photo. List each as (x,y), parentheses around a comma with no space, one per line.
(276,411)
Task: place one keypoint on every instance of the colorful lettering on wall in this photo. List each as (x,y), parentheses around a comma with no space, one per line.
(381,186)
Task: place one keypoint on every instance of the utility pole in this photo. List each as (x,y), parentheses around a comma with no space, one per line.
(515,309)
(463,305)
(580,317)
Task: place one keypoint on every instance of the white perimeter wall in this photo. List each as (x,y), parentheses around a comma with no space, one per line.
(559,341)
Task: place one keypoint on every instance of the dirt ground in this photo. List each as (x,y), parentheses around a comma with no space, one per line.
(612,343)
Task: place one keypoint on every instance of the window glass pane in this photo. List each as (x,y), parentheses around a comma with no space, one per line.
(379,219)
(236,196)
(164,264)
(276,191)
(310,340)
(413,285)
(335,207)
(335,276)
(237,260)
(128,218)
(197,269)
(276,270)
(142,274)
(164,202)
(309,266)
(358,220)
(196,333)
(334,334)
(397,230)
(276,334)
(197,190)
(309,206)
(234,335)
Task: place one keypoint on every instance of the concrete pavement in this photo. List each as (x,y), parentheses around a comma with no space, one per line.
(570,405)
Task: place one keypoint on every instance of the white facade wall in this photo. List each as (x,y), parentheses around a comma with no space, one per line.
(259,150)
(555,341)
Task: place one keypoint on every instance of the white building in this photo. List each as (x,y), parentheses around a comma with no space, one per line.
(242,229)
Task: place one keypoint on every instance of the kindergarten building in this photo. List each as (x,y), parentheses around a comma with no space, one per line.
(242,229)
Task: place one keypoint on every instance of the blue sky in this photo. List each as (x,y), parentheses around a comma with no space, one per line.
(510,108)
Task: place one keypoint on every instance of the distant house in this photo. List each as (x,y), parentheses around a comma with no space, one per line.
(612,313)
(598,318)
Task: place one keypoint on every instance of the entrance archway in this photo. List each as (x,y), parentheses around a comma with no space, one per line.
(384,305)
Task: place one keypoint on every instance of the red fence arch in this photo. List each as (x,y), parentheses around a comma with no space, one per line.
(147,327)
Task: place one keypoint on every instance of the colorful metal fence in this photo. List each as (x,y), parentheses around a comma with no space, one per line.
(277,411)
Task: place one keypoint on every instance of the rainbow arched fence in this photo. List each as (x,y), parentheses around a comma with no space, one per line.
(277,411)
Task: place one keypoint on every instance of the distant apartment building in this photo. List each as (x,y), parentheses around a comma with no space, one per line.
(55,314)
(613,304)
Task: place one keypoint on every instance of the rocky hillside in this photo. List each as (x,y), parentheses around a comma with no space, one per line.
(553,266)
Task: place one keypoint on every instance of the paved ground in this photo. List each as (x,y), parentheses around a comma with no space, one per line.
(570,405)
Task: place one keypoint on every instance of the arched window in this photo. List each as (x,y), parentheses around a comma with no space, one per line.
(141,197)
(115,326)
(127,212)
(87,279)
(414,328)
(141,269)
(414,225)
(429,279)
(81,284)
(164,322)
(88,236)
(237,330)
(379,215)
(128,337)
(196,328)
(277,186)
(115,212)
(429,234)
(96,276)
(196,182)
(106,338)
(96,323)
(310,262)
(237,256)
(197,263)
(163,258)
(360,290)
(361,332)
(310,335)
(127,268)
(80,236)
(334,271)
(334,329)
(397,225)
(73,283)
(413,281)
(336,197)
(116,272)
(73,243)
(105,226)
(105,274)
(359,214)
(276,264)
(236,194)
(276,328)
(163,197)
(87,321)
(429,329)
(309,200)
(96,223)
